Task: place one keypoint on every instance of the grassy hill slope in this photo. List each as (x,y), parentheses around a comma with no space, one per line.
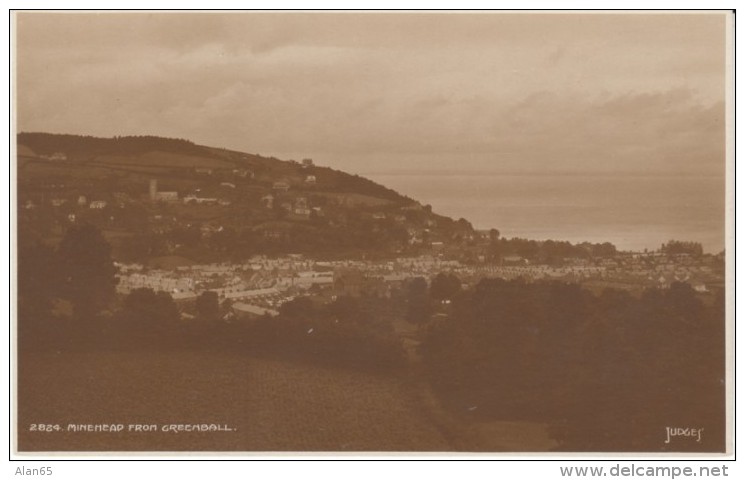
(220,205)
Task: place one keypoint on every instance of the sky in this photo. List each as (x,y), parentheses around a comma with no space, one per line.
(384,92)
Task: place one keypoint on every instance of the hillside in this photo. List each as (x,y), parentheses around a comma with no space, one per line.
(157,196)
(167,155)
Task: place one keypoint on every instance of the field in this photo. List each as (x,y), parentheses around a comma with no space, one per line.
(270,405)
(165,159)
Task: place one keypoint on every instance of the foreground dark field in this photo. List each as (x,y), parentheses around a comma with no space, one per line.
(271,405)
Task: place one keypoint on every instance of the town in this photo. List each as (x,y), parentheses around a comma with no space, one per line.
(261,285)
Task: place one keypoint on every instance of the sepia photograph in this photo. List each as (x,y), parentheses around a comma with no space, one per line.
(400,232)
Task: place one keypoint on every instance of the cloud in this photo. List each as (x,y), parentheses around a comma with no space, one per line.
(566,92)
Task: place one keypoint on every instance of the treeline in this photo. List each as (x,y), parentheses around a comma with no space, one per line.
(314,238)
(608,372)
(548,251)
(346,333)
(676,247)
(88,146)
(85,147)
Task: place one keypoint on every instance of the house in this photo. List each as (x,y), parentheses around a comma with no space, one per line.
(58,202)
(121,197)
(98,204)
(166,196)
(354,283)
(268,200)
(310,179)
(301,207)
(243,173)
(302,211)
(275,234)
(56,156)
(209,229)
(193,198)
(513,260)
(281,186)
(249,311)
(82,200)
(700,287)
(307,162)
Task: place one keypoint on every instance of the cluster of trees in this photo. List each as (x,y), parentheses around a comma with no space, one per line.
(547,251)
(87,146)
(348,332)
(676,247)
(79,274)
(345,333)
(608,372)
(423,301)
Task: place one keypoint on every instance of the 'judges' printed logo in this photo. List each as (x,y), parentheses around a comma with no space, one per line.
(692,433)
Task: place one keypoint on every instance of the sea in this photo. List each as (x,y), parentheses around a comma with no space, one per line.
(634,212)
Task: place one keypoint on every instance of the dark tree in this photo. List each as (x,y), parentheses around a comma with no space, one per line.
(418,308)
(208,306)
(444,286)
(606,250)
(36,277)
(37,288)
(674,247)
(300,307)
(88,272)
(607,372)
(146,309)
